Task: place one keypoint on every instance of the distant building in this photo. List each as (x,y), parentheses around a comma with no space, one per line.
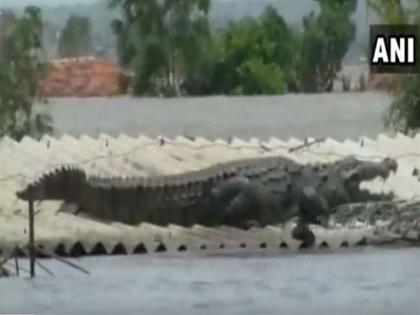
(82,77)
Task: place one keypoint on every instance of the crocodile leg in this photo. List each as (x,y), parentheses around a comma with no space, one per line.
(239,202)
(303,233)
(313,207)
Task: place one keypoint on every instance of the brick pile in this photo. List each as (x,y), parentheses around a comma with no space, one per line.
(81,77)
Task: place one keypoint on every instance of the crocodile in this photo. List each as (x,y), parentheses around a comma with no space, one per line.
(242,193)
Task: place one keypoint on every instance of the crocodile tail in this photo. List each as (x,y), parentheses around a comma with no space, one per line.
(62,183)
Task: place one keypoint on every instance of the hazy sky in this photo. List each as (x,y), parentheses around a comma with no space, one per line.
(51,2)
(41,2)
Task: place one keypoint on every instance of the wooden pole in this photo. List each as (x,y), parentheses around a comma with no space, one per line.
(31,238)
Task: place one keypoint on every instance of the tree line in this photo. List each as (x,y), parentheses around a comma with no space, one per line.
(172,49)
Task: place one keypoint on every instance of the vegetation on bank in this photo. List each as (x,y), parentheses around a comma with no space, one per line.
(75,38)
(172,50)
(21,67)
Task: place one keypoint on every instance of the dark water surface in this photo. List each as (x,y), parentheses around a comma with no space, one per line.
(353,281)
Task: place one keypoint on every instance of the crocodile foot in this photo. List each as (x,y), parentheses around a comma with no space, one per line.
(303,233)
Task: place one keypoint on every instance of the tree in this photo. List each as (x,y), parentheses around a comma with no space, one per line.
(259,77)
(75,39)
(325,41)
(159,40)
(258,56)
(391,11)
(202,74)
(404,113)
(20,70)
(7,19)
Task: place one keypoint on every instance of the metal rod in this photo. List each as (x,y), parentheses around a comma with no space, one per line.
(64,261)
(20,268)
(306,145)
(69,263)
(17,265)
(39,264)
(44,268)
(31,238)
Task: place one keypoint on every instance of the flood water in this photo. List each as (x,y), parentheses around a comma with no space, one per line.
(337,115)
(353,281)
(350,281)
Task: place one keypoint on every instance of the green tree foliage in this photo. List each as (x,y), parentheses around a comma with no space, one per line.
(259,56)
(20,70)
(7,18)
(259,77)
(404,113)
(75,39)
(390,11)
(160,41)
(171,49)
(326,39)
(202,74)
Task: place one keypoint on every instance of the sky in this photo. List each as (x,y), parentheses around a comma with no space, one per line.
(50,2)
(41,2)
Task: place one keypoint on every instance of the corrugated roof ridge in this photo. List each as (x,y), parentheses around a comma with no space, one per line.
(252,140)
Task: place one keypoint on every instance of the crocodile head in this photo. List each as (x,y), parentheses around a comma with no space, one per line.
(353,172)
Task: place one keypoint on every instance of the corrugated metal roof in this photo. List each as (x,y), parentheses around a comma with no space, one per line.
(24,161)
